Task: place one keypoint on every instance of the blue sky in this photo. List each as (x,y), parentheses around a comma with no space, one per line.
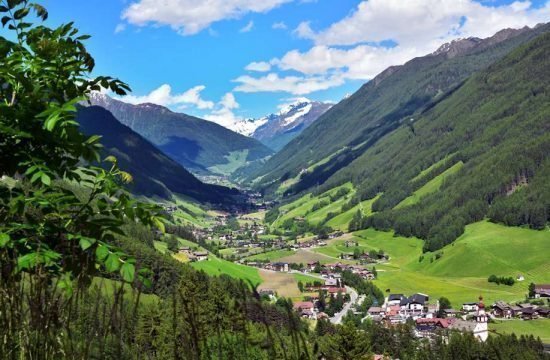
(200,53)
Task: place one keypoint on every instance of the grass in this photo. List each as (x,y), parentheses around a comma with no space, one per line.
(215,266)
(302,207)
(461,273)
(433,166)
(540,328)
(342,221)
(271,255)
(302,256)
(431,186)
(235,160)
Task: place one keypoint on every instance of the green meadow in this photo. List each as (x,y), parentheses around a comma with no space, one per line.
(431,186)
(540,328)
(462,270)
(215,266)
(342,221)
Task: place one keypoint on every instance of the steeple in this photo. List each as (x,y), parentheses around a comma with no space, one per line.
(481,330)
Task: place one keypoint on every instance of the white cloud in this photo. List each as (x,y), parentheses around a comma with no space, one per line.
(349,47)
(120,28)
(261,66)
(163,96)
(297,85)
(417,21)
(189,17)
(223,114)
(279,26)
(304,30)
(248,27)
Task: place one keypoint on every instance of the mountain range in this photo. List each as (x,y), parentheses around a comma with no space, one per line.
(440,142)
(154,173)
(278,129)
(201,146)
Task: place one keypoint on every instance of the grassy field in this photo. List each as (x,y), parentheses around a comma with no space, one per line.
(461,272)
(341,222)
(302,207)
(433,166)
(540,328)
(235,160)
(284,284)
(431,186)
(214,266)
(271,255)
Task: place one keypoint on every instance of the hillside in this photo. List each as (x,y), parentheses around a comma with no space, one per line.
(494,134)
(200,146)
(154,173)
(381,106)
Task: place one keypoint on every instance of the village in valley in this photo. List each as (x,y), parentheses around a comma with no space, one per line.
(326,285)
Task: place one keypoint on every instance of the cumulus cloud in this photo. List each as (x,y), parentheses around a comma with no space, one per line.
(189,17)
(163,96)
(261,66)
(351,47)
(224,114)
(120,28)
(248,27)
(413,22)
(296,85)
(279,26)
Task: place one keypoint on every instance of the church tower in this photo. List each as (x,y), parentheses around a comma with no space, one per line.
(481,330)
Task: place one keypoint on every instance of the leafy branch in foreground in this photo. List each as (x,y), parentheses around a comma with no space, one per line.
(58,212)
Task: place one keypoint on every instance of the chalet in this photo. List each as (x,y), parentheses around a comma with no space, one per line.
(331,282)
(312,265)
(201,255)
(542,290)
(305,309)
(544,312)
(280,266)
(451,313)
(469,307)
(333,291)
(375,311)
(184,249)
(502,310)
(529,313)
(395,299)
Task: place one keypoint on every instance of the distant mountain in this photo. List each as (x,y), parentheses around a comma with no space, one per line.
(277,130)
(201,146)
(154,173)
(381,106)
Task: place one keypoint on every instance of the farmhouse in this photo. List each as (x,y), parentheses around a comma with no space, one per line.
(305,309)
(470,307)
(200,255)
(395,299)
(280,266)
(542,290)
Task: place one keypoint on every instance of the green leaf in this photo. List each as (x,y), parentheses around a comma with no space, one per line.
(112,263)
(21,13)
(85,243)
(66,284)
(101,252)
(127,271)
(5,20)
(4,240)
(45,179)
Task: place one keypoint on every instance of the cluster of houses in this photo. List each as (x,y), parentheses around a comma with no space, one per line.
(193,255)
(398,308)
(527,311)
(477,324)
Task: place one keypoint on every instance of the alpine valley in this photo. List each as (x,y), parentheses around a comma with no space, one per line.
(408,220)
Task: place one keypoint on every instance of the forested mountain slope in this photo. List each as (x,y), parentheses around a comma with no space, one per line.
(484,151)
(197,144)
(154,173)
(392,99)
